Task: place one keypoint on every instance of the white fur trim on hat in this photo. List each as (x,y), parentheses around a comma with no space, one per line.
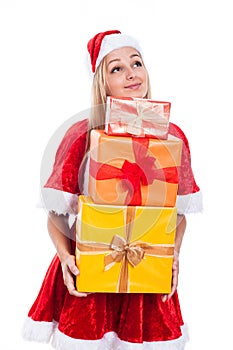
(115,41)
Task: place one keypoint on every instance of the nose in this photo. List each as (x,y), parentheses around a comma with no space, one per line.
(130,74)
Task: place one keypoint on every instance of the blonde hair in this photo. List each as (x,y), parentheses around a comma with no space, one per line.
(99,95)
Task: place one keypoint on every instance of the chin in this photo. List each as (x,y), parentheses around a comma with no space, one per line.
(135,94)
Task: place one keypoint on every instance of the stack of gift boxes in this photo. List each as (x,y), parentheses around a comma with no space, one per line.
(126,226)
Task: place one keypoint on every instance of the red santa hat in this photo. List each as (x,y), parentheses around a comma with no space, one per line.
(105,42)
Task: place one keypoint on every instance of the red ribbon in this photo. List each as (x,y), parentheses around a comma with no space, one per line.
(134,175)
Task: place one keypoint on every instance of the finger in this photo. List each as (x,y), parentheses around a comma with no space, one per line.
(175,265)
(73,291)
(72,266)
(172,292)
(175,280)
(174,286)
(164,297)
(73,269)
(78,294)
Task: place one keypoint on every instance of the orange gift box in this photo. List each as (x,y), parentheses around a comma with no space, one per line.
(137,117)
(133,171)
(124,249)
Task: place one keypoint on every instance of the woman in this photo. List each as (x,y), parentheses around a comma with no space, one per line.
(74,320)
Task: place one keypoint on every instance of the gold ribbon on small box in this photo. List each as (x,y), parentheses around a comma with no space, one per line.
(138,115)
(146,117)
(125,252)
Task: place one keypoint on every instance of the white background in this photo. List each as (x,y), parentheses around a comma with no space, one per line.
(44,81)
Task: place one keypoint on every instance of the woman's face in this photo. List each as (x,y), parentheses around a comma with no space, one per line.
(126,75)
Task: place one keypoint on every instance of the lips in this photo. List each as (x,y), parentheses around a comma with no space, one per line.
(133,86)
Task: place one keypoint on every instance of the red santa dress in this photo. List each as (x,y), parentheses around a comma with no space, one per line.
(103,321)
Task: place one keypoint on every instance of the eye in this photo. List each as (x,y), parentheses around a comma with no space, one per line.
(115,69)
(138,64)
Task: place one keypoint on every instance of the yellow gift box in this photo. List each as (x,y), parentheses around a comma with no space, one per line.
(124,249)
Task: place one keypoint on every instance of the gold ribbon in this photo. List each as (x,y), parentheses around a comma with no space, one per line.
(125,252)
(149,113)
(133,253)
(146,111)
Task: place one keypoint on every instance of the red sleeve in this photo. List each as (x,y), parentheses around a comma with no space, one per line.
(187,183)
(69,156)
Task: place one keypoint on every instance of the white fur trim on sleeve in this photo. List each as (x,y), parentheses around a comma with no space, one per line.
(189,203)
(59,201)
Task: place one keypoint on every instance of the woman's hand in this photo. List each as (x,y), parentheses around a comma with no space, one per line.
(175,273)
(61,236)
(69,270)
(180,230)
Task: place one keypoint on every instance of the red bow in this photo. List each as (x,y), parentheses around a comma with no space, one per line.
(134,175)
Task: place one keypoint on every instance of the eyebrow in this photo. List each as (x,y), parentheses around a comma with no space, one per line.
(118,59)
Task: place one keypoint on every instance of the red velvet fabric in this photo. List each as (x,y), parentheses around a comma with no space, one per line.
(69,156)
(187,183)
(134,317)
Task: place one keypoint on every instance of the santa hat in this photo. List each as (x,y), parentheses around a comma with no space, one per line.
(105,42)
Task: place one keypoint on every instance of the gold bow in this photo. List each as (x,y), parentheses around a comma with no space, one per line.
(122,250)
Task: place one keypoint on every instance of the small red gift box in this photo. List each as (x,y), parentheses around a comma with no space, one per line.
(137,117)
